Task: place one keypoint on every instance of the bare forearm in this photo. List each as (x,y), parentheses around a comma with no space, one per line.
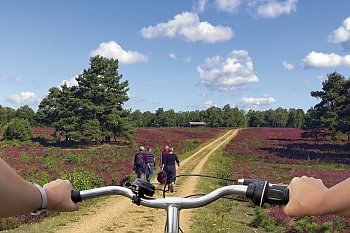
(338,199)
(16,195)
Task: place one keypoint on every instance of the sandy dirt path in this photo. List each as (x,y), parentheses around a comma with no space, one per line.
(119,214)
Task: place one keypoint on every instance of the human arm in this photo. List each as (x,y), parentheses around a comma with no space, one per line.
(177,160)
(17,196)
(310,197)
(145,160)
(163,162)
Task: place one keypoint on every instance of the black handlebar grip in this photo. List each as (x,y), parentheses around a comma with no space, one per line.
(262,192)
(276,195)
(75,196)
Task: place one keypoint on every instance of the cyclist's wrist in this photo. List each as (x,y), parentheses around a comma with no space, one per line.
(324,203)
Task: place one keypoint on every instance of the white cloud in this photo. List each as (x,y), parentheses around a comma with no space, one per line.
(10,79)
(206,94)
(71,82)
(24,98)
(342,34)
(252,103)
(188,60)
(228,74)
(273,8)
(113,50)
(200,6)
(133,97)
(325,60)
(209,104)
(227,5)
(288,66)
(321,78)
(188,26)
(172,56)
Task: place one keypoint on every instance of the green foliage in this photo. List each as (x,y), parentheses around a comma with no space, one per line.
(82,180)
(309,225)
(93,110)
(18,129)
(261,220)
(25,112)
(40,177)
(6,114)
(189,145)
(49,161)
(76,159)
(332,112)
(313,124)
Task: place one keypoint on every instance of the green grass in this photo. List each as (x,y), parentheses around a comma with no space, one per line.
(222,215)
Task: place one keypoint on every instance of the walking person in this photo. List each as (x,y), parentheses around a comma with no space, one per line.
(150,163)
(162,155)
(170,169)
(140,164)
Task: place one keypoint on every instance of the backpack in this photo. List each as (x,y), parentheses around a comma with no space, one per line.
(139,162)
(161,177)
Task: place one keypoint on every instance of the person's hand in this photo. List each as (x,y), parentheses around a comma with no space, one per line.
(306,197)
(59,196)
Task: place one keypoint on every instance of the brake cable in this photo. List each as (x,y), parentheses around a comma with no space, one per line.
(200,175)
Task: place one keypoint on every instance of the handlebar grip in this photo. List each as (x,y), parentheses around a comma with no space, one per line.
(75,196)
(276,195)
(262,192)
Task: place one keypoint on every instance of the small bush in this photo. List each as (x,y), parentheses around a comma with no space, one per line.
(82,180)
(18,129)
(40,177)
(262,220)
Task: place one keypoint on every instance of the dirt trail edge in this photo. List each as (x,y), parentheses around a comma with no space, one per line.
(119,214)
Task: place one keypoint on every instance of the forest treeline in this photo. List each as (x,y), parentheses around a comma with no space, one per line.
(94,110)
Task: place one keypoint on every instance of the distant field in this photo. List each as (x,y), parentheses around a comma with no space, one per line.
(42,160)
(277,155)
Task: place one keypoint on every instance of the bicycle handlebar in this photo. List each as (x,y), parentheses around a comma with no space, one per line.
(258,191)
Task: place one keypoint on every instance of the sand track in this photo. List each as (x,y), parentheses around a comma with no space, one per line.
(119,214)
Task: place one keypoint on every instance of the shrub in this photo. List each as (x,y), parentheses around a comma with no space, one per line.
(18,129)
(261,219)
(40,177)
(82,180)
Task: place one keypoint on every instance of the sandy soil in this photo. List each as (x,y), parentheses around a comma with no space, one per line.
(119,214)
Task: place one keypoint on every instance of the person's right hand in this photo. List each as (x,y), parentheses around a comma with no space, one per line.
(59,196)
(307,197)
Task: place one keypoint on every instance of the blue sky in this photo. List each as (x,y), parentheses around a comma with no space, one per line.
(182,55)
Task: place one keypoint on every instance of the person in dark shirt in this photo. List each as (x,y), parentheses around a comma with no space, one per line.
(140,163)
(169,167)
(163,154)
